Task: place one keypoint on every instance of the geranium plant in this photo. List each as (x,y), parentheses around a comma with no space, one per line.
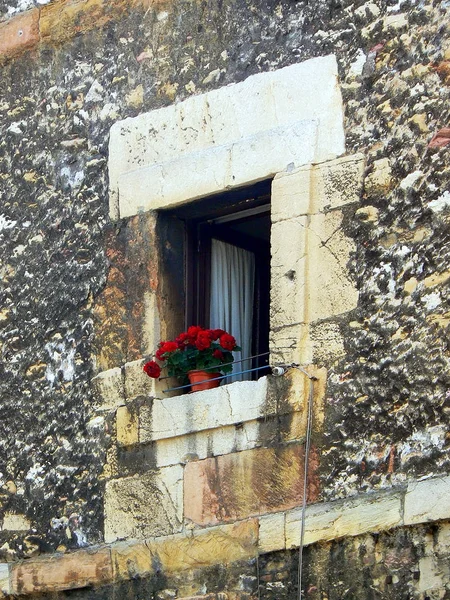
(194,349)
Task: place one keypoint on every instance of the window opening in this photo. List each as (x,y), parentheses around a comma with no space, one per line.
(228,272)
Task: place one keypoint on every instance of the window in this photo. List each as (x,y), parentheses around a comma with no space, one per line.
(227,270)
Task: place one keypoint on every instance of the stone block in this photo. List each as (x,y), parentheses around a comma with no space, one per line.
(137,383)
(332,520)
(214,442)
(271,533)
(226,405)
(110,387)
(145,505)
(269,152)
(62,572)
(226,137)
(216,545)
(248,483)
(330,292)
(379,179)
(205,172)
(5,587)
(15,522)
(19,33)
(427,500)
(289,276)
(131,560)
(127,426)
(314,188)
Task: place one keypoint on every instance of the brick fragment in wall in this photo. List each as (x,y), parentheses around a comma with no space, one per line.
(248,483)
(19,34)
(440,139)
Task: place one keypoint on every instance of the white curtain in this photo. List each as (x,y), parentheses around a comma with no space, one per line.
(231,306)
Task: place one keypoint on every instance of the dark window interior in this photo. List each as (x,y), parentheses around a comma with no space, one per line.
(240,218)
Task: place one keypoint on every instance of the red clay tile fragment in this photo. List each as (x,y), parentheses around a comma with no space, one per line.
(441,138)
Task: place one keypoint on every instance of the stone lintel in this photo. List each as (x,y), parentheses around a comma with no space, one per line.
(232,136)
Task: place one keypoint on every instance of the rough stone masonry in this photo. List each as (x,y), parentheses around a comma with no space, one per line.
(74,305)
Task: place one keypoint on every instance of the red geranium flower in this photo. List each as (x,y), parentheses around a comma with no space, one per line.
(217,333)
(218,354)
(182,340)
(165,347)
(227,341)
(152,369)
(192,333)
(203,340)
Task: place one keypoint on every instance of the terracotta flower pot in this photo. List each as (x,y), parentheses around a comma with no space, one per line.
(200,380)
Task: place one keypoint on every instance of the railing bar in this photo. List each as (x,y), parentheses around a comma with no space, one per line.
(234,362)
(180,387)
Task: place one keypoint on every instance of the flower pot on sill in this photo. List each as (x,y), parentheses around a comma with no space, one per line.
(203,380)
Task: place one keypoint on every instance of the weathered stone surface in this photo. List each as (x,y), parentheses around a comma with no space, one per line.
(217,545)
(226,405)
(272,532)
(19,34)
(225,129)
(242,162)
(213,442)
(235,486)
(110,388)
(310,189)
(15,522)
(131,560)
(341,519)
(85,567)
(427,500)
(145,505)
(5,587)
(127,426)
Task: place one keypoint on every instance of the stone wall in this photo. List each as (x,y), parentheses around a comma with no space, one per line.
(79,290)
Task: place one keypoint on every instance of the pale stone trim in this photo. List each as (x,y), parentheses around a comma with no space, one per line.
(425,501)
(311,283)
(211,409)
(5,583)
(225,138)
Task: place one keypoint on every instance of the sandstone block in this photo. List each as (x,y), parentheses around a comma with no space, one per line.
(331,291)
(380,179)
(226,405)
(137,383)
(144,505)
(249,483)
(127,426)
(217,545)
(314,188)
(427,500)
(231,136)
(207,171)
(131,560)
(214,442)
(5,588)
(271,532)
(110,388)
(328,521)
(15,522)
(19,33)
(62,572)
